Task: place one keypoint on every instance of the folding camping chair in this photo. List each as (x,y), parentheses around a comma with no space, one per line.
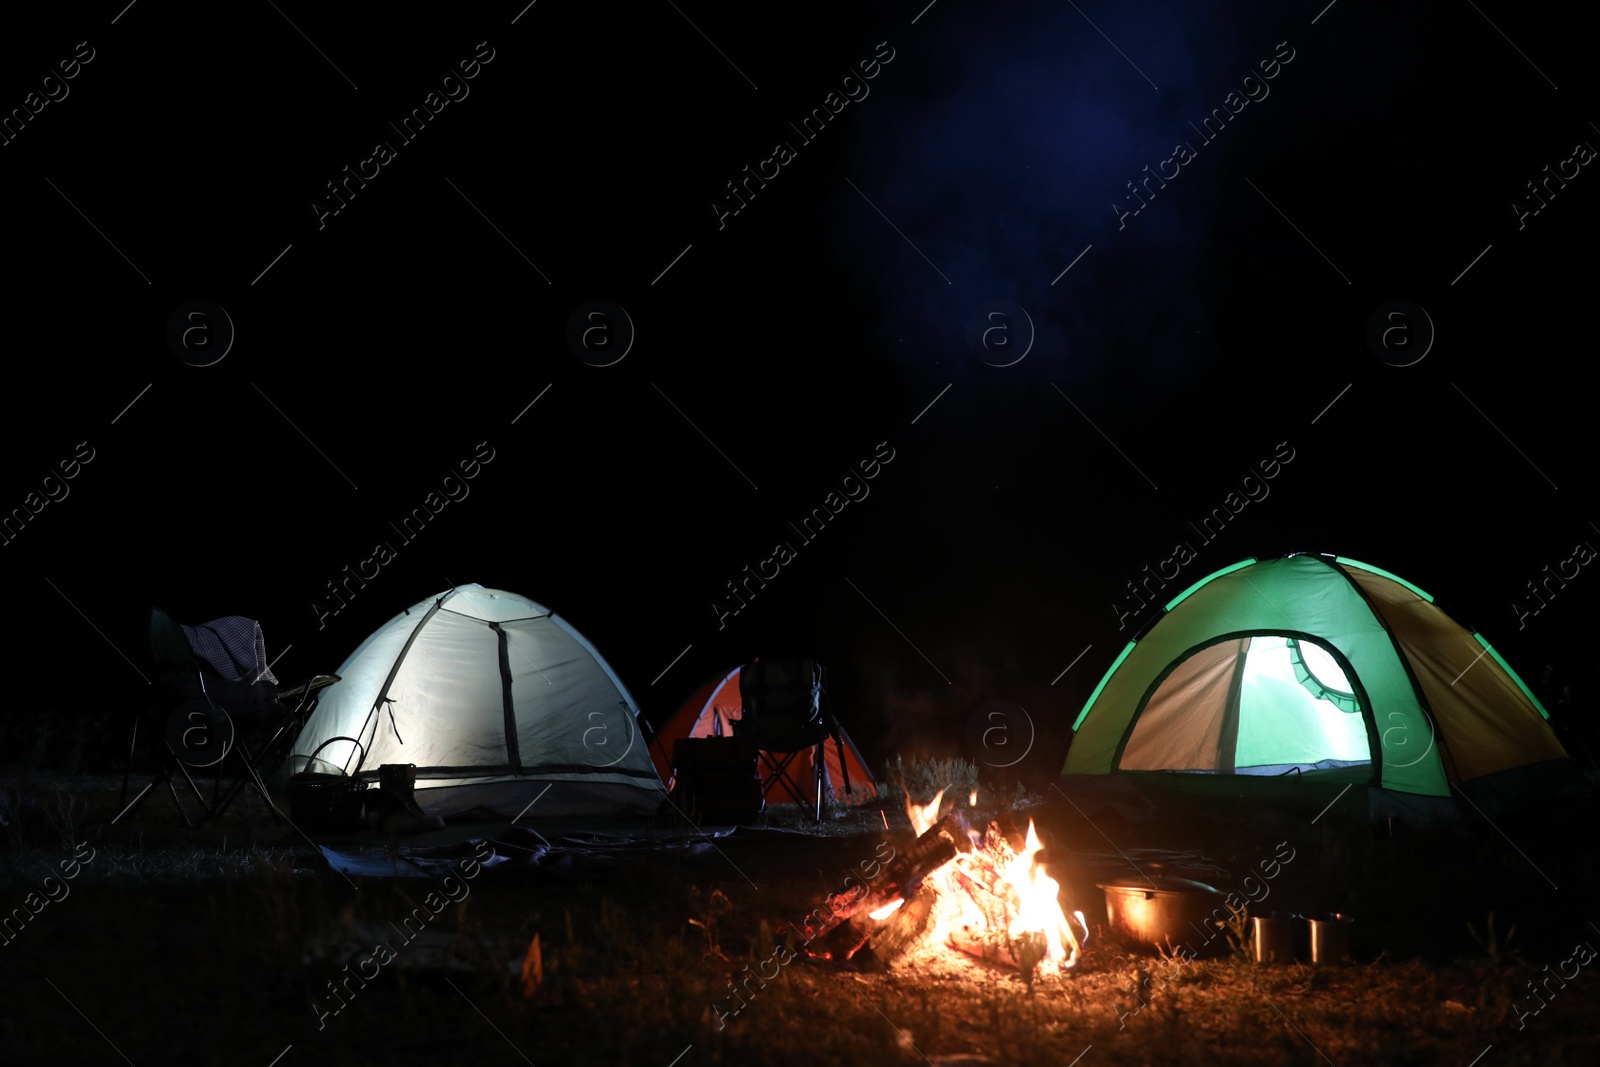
(784,712)
(215,705)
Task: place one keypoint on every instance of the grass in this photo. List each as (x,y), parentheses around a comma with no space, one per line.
(213,946)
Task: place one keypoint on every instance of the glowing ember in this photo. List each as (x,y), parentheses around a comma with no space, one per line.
(972,801)
(994,902)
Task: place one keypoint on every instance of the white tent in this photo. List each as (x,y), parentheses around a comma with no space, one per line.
(498,702)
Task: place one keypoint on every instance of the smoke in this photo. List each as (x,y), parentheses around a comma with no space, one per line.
(998,144)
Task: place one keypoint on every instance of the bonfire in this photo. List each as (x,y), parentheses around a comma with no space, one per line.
(955,888)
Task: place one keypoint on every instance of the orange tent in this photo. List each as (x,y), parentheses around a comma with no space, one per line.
(711,710)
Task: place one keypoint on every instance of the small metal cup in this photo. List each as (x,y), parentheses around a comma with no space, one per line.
(1273,937)
(1330,937)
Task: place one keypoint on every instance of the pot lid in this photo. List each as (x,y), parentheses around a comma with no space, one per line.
(1161,884)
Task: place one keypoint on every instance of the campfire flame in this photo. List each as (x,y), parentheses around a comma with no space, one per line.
(888,909)
(992,899)
(924,816)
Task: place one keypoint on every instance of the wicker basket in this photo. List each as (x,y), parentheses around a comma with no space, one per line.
(320,802)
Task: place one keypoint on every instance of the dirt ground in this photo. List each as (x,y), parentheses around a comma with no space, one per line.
(224,945)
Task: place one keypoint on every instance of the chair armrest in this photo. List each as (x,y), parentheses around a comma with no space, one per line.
(310,685)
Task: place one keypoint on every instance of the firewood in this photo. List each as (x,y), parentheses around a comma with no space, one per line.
(844,926)
(905,928)
(899,880)
(996,946)
(841,942)
(932,850)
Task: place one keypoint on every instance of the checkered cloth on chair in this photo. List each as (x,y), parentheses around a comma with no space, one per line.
(234,646)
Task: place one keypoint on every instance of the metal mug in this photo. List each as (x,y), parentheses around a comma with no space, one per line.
(1330,937)
(1272,936)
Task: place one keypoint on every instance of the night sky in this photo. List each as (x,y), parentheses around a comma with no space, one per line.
(825,322)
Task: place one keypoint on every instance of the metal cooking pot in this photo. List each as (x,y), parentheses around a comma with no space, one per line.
(1165,911)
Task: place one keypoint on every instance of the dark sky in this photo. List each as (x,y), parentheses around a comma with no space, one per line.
(778,347)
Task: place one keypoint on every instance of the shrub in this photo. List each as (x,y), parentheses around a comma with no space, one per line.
(922,778)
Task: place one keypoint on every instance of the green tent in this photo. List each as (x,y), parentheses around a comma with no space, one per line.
(1306,674)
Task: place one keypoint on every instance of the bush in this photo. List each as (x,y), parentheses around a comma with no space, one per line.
(922,778)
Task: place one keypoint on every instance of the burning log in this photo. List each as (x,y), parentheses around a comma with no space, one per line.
(996,946)
(847,920)
(906,925)
(932,849)
(982,929)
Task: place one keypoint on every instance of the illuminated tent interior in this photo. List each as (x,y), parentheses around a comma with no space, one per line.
(1304,675)
(498,702)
